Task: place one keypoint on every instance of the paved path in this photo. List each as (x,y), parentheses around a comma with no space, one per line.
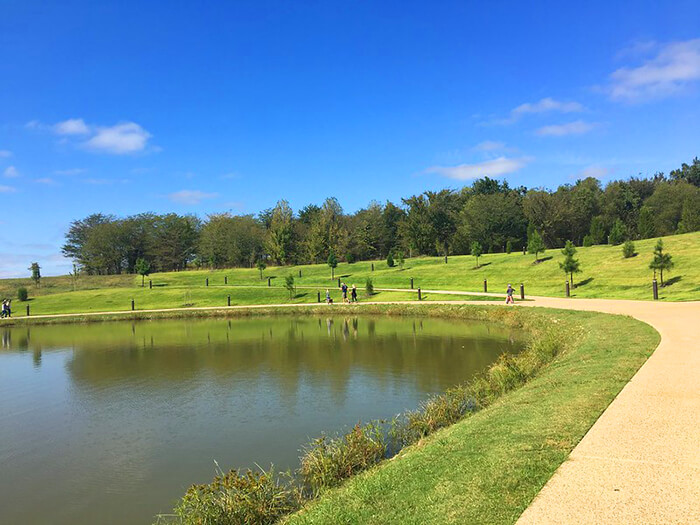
(640,462)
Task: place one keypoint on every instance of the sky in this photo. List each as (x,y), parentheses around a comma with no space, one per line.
(205,107)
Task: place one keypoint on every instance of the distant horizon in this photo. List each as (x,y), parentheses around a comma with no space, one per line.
(124,108)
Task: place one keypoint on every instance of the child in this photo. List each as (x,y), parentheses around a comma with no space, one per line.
(509,295)
(328,297)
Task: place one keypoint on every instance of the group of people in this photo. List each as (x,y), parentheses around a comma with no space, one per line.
(6,308)
(344,289)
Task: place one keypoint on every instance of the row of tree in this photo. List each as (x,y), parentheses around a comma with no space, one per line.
(488,214)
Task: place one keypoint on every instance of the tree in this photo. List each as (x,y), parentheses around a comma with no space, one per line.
(535,244)
(509,246)
(279,239)
(400,259)
(143,268)
(476,251)
(289,285)
(369,287)
(661,261)
(598,230)
(261,267)
(617,233)
(587,241)
(570,266)
(688,173)
(628,249)
(333,263)
(36,273)
(390,260)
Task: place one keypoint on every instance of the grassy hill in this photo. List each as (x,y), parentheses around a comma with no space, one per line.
(605,273)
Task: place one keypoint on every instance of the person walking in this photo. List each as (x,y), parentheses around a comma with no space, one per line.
(353,294)
(328,297)
(509,295)
(344,288)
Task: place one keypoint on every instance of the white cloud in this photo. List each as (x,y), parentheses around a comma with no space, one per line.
(675,66)
(73,126)
(72,171)
(190,196)
(572,128)
(11,172)
(490,168)
(7,189)
(45,180)
(595,171)
(546,105)
(489,145)
(229,176)
(120,139)
(5,153)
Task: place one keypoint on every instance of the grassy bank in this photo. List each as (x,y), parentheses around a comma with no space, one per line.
(487,467)
(605,273)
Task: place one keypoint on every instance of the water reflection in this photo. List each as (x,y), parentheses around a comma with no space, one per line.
(109,422)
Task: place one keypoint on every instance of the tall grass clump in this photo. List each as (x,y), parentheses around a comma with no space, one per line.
(506,374)
(250,497)
(329,460)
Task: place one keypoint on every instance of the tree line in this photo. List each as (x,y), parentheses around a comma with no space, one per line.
(487,216)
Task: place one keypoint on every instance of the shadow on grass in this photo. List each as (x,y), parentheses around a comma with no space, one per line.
(480,266)
(344,276)
(543,259)
(159,285)
(583,283)
(300,295)
(672,281)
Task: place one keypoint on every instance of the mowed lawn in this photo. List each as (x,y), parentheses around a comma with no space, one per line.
(605,273)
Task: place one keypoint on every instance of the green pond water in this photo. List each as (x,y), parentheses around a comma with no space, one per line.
(111,422)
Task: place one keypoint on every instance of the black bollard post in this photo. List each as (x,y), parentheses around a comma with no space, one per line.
(300,274)
(268,281)
(150,284)
(485,286)
(318,297)
(338,282)
(132,305)
(411,283)
(419,296)
(524,250)
(372,266)
(225,279)
(445,259)
(568,290)
(27,310)
(522,291)
(229,300)
(655,289)
(207,281)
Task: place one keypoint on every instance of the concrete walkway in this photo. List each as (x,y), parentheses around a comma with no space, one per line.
(640,462)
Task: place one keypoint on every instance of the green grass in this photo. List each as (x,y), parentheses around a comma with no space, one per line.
(488,467)
(605,273)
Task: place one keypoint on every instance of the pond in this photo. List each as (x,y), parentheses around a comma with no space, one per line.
(111,422)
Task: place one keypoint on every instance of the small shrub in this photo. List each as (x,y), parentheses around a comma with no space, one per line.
(628,249)
(587,241)
(328,461)
(509,247)
(390,260)
(256,498)
(22,294)
(369,287)
(350,258)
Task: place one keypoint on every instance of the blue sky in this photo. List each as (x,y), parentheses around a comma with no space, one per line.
(125,107)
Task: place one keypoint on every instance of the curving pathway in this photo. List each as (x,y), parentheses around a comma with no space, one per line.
(640,462)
